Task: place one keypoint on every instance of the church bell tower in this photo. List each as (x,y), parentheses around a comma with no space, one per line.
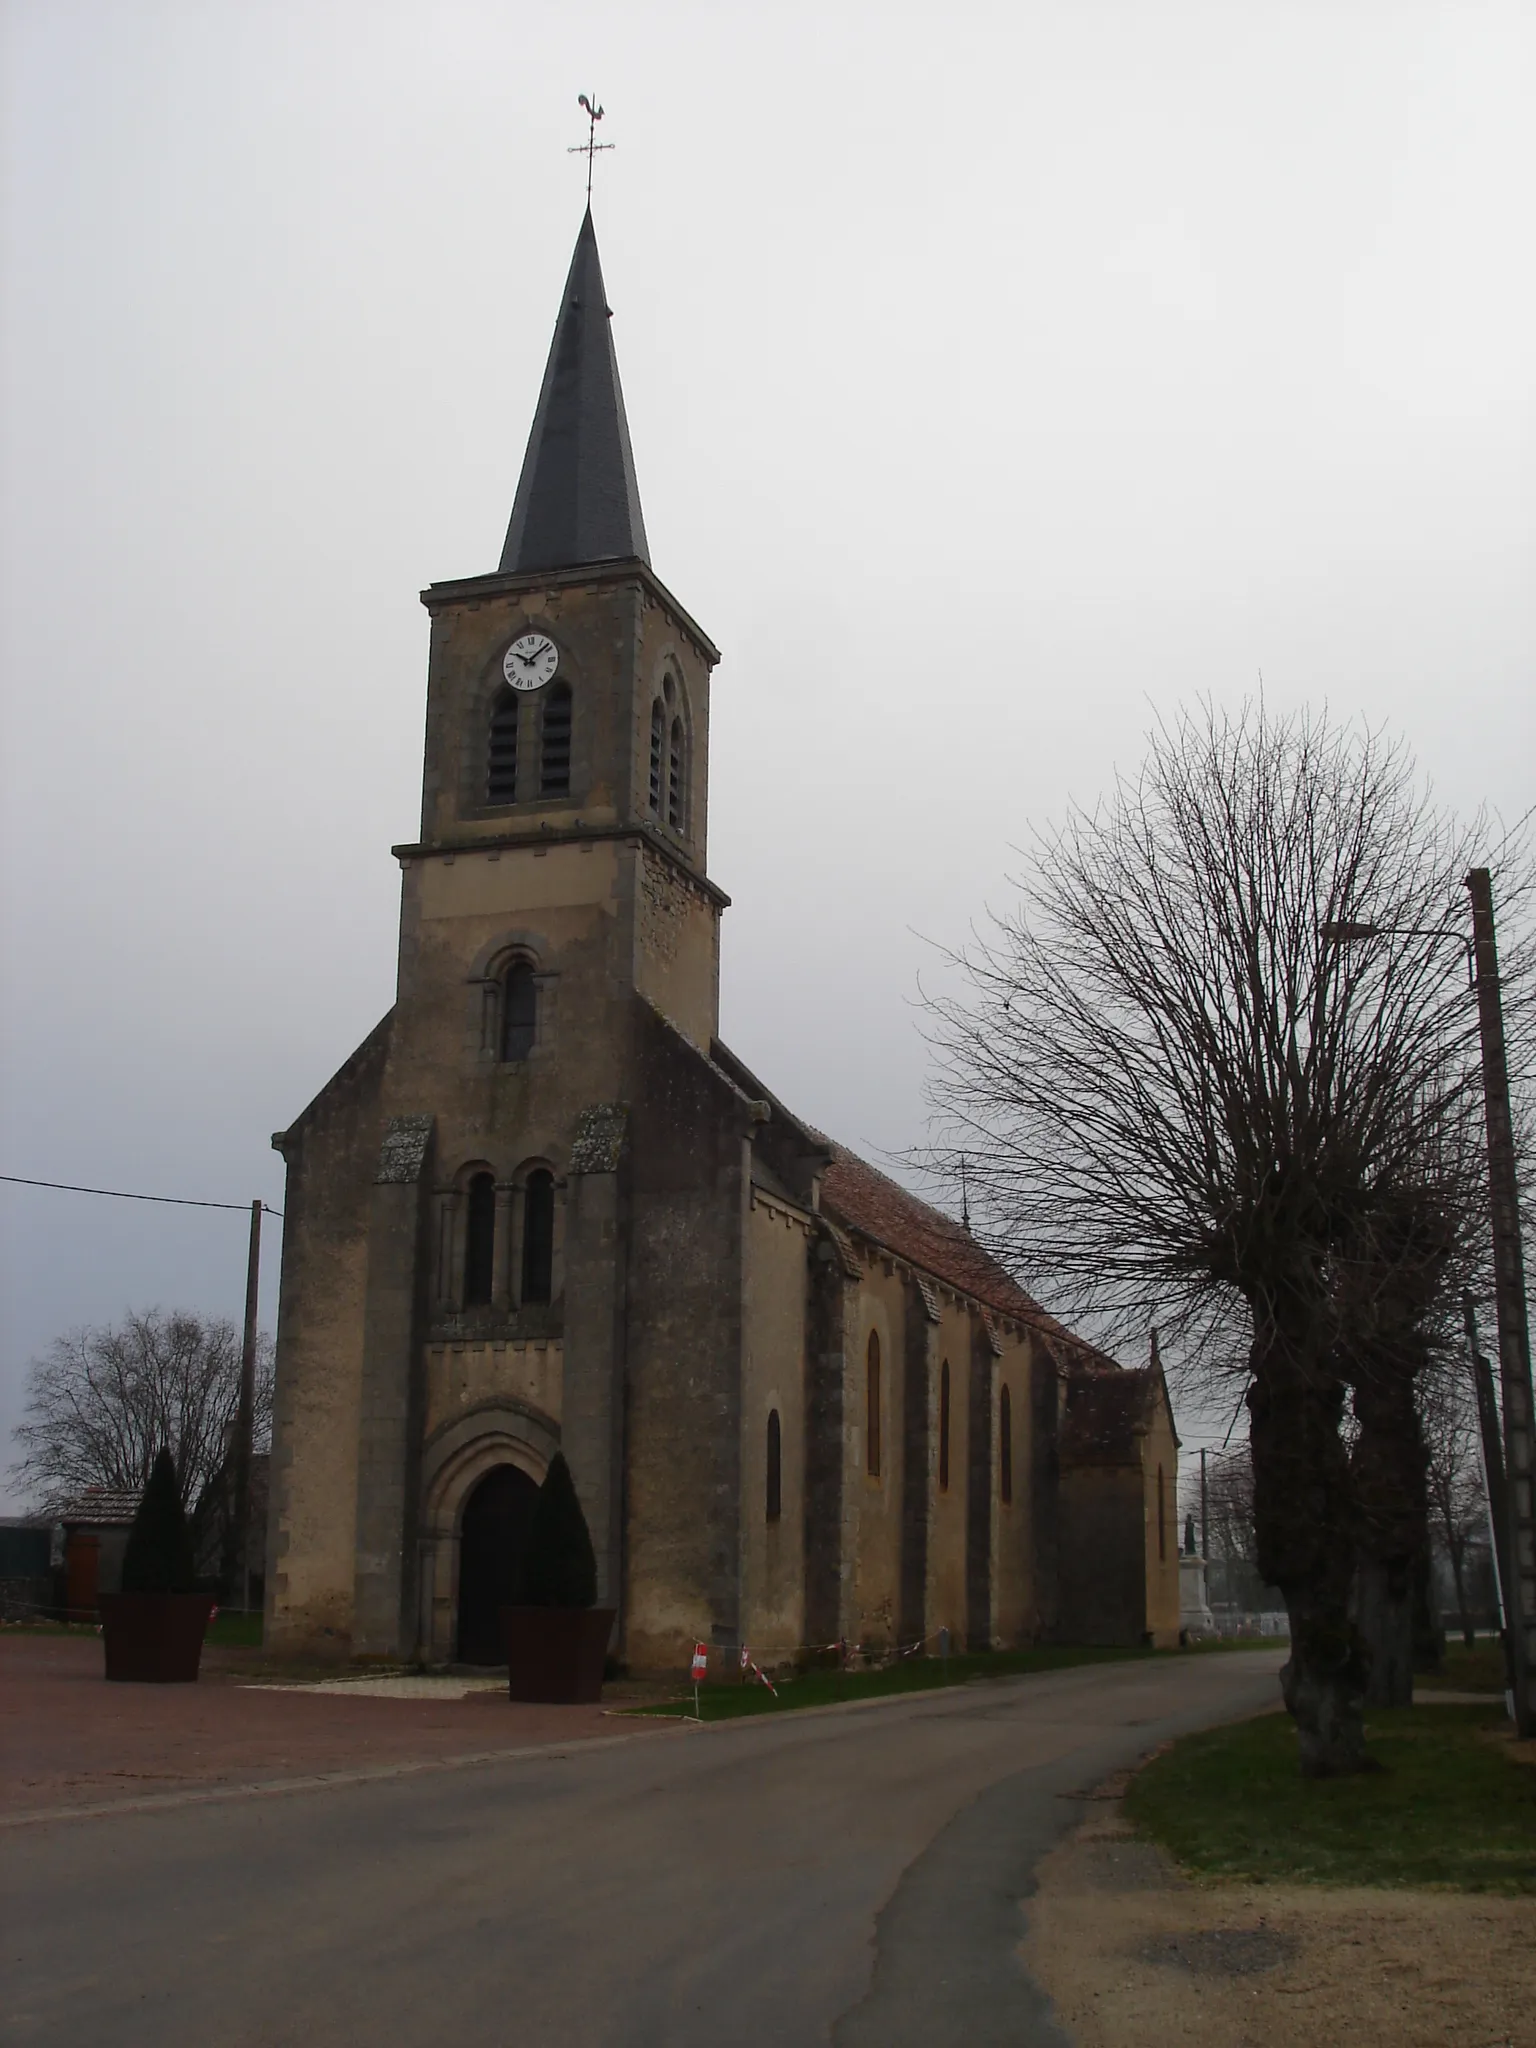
(568,703)
(455,1270)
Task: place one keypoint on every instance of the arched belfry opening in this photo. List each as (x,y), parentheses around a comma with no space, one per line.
(538,1236)
(480,1240)
(501,753)
(493,1540)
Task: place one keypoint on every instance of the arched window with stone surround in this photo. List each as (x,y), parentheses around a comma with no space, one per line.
(667,790)
(538,1236)
(944,1427)
(519,1010)
(501,755)
(872,1406)
(480,1240)
(1005,1446)
(775,1475)
(555,741)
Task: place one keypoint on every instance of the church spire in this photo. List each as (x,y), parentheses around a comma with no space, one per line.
(577,499)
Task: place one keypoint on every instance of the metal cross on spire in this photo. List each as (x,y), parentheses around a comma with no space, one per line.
(591,146)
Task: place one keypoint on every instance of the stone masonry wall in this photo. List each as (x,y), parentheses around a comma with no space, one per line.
(332,1153)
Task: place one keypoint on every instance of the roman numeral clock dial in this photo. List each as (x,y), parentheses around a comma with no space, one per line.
(530,662)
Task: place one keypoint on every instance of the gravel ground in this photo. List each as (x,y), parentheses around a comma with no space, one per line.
(1131,1952)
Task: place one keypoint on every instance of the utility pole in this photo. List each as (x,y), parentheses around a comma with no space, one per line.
(245,1417)
(1509,1300)
(1205,1514)
(1493,1469)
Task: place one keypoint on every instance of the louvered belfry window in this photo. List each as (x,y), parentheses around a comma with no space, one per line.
(555,742)
(675,792)
(501,768)
(538,1236)
(658,748)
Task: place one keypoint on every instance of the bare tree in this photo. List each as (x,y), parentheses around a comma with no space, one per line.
(1458,1502)
(1229,1509)
(1233,1578)
(1171,1087)
(101,1402)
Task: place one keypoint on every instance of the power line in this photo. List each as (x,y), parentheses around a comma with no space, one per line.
(123,1195)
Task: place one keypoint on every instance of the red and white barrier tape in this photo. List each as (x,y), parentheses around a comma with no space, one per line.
(748,1665)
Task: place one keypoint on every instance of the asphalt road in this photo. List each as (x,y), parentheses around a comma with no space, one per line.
(851,1877)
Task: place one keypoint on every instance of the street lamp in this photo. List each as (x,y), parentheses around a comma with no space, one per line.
(1509,1280)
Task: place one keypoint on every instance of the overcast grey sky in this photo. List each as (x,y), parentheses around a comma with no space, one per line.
(999,377)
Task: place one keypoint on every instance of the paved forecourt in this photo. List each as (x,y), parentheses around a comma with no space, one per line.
(69,1739)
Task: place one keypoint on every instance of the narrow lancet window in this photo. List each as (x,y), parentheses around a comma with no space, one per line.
(676,806)
(555,742)
(480,1241)
(1162,1518)
(501,769)
(538,1236)
(519,1011)
(944,1427)
(872,1406)
(1005,1446)
(775,1467)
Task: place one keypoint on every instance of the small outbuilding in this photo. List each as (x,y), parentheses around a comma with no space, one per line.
(1118,1463)
(96,1525)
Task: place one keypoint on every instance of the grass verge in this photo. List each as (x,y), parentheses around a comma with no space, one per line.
(914,1674)
(1474,1667)
(231,1628)
(1450,1808)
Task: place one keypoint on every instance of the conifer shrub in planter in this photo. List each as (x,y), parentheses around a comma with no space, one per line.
(557,1639)
(152,1630)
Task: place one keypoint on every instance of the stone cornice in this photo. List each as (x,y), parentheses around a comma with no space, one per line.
(638,836)
(476,589)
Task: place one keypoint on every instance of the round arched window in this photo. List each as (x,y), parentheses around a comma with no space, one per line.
(519,1011)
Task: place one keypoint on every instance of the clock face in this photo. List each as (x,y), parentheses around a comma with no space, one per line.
(530,662)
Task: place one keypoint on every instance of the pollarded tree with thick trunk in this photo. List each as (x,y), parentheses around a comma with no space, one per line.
(1173,1088)
(1395,1294)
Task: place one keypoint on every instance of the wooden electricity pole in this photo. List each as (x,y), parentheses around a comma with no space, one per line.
(1493,1464)
(1509,1300)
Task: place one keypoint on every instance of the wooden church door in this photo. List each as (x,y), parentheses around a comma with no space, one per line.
(493,1538)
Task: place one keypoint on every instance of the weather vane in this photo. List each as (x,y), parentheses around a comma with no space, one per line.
(591,146)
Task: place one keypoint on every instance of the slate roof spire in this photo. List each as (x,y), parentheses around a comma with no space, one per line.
(577,499)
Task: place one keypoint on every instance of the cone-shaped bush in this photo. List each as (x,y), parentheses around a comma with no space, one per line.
(561,1570)
(159,1556)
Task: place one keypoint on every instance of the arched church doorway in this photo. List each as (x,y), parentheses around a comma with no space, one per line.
(493,1538)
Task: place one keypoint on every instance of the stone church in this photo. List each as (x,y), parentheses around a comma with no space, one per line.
(542,1207)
